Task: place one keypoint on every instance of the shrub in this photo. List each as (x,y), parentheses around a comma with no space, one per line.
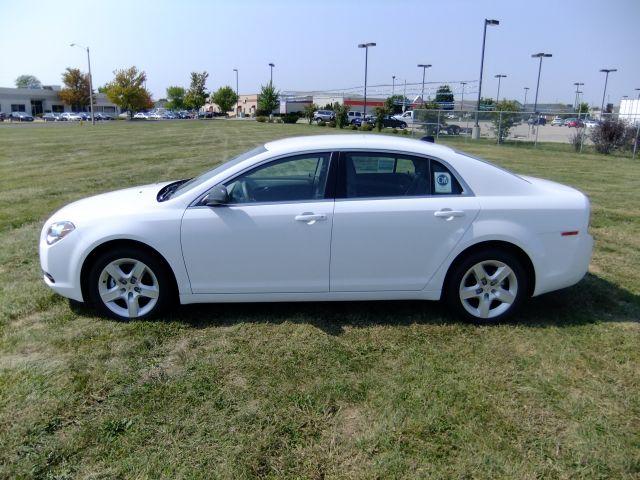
(366,127)
(353,127)
(261,119)
(270,120)
(322,123)
(405,132)
(576,138)
(504,119)
(291,117)
(395,130)
(610,135)
(341,111)
(331,123)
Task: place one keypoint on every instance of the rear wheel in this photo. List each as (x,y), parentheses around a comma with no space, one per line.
(130,283)
(487,287)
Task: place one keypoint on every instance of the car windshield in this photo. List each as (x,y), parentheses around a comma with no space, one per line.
(200,179)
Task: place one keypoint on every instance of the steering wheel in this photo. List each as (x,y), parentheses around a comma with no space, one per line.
(244,190)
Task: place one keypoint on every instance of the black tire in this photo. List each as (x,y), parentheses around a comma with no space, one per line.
(403,125)
(459,270)
(165,284)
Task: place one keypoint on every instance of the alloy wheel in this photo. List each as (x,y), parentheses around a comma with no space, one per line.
(488,289)
(128,287)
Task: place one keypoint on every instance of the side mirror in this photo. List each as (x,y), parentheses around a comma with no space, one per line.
(216,197)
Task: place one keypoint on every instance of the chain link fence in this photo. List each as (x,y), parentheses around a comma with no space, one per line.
(577,129)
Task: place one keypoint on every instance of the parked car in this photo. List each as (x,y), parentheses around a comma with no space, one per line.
(341,217)
(205,114)
(557,122)
(353,116)
(574,122)
(141,116)
(84,116)
(387,122)
(102,116)
(70,116)
(2,116)
(538,121)
(154,116)
(591,123)
(408,117)
(20,117)
(50,117)
(323,116)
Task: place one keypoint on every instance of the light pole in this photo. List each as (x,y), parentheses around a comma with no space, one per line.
(635,119)
(271,65)
(524,105)
(404,96)
(462,99)
(424,70)
(476,128)
(499,77)
(237,93)
(393,85)
(93,120)
(540,56)
(578,85)
(607,71)
(366,62)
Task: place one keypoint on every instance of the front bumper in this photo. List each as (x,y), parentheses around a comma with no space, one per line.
(59,266)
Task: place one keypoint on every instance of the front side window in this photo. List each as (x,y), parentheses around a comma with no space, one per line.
(291,179)
(385,175)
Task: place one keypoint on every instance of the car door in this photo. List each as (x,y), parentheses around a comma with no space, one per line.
(396,218)
(273,235)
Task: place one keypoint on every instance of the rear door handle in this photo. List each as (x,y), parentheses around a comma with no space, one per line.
(310,218)
(448,214)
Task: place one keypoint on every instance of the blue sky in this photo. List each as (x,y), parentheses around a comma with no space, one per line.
(313,43)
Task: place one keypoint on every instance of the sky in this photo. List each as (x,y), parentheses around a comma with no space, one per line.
(314,43)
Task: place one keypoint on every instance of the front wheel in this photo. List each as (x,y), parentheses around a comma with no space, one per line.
(487,287)
(129,283)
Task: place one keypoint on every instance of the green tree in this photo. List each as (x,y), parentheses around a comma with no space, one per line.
(444,97)
(175,97)
(196,96)
(341,110)
(583,108)
(380,113)
(128,92)
(225,97)
(394,103)
(76,89)
(28,81)
(504,117)
(268,100)
(309,110)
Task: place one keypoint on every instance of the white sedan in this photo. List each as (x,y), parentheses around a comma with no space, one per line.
(340,217)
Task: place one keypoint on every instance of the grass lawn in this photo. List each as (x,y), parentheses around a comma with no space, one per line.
(339,390)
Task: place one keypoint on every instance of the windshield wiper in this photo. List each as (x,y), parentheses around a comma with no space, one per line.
(168,190)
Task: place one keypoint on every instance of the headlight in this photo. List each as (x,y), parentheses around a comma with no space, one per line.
(59,230)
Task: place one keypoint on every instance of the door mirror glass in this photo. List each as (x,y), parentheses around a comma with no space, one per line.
(218,195)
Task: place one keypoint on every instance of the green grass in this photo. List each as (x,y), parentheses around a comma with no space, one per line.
(341,390)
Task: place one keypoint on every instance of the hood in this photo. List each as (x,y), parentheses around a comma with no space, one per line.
(119,202)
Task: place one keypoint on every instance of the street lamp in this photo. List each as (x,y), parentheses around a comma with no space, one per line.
(424,70)
(93,120)
(366,61)
(499,77)
(540,56)
(393,85)
(271,65)
(524,105)
(237,93)
(476,128)
(607,71)
(578,85)
(462,99)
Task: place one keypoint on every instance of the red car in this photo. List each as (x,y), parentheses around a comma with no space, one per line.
(575,123)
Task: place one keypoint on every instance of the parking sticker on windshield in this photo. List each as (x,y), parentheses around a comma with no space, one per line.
(442,182)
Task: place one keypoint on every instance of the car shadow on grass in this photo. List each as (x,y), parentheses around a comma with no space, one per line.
(592,300)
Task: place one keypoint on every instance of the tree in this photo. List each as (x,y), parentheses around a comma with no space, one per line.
(268,100)
(28,81)
(175,97)
(394,103)
(128,92)
(380,113)
(583,108)
(504,118)
(611,135)
(341,111)
(444,97)
(196,96)
(76,89)
(309,110)
(225,97)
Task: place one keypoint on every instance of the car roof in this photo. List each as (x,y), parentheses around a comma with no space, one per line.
(355,142)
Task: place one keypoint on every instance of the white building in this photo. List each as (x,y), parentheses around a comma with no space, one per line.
(43,100)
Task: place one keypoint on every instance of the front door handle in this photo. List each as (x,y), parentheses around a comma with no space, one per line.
(310,218)
(448,214)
